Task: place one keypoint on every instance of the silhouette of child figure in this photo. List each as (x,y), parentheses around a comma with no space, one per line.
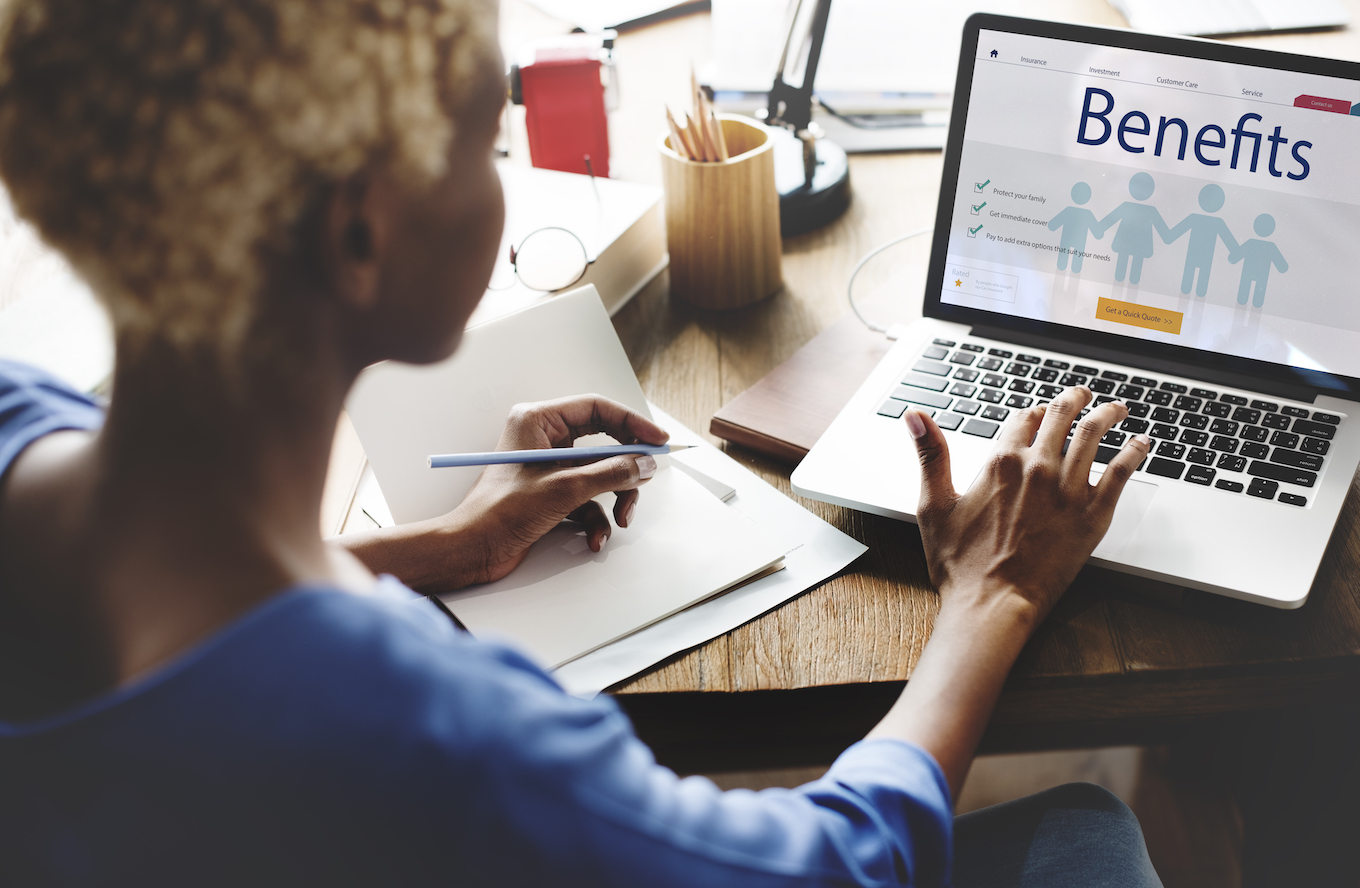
(1259,256)
(1075,223)
(1136,221)
(1204,234)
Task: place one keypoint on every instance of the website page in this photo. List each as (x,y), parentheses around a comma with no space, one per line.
(1203,204)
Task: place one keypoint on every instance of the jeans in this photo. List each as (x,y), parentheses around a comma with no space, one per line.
(1073,835)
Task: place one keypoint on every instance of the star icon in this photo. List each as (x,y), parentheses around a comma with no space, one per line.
(958,283)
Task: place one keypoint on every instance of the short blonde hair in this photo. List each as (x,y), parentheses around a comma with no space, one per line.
(167,146)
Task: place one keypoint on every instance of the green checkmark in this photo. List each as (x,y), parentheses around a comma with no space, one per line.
(979,206)
(981,185)
(975,230)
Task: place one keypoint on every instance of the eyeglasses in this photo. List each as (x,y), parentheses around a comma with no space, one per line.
(548,260)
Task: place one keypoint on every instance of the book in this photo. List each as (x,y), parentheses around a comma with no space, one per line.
(620,223)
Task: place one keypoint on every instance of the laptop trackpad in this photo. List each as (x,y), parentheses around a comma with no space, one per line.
(1133,505)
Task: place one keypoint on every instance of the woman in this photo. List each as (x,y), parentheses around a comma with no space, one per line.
(270,195)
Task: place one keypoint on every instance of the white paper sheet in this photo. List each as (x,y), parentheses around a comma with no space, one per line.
(817,551)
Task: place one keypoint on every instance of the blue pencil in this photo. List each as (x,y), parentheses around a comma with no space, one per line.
(551,454)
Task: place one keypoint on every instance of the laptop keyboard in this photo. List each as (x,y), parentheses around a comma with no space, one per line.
(1236,442)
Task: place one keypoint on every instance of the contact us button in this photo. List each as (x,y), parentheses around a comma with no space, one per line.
(1136,315)
(977,282)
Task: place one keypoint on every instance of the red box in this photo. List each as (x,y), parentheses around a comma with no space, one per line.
(564,106)
(1336,106)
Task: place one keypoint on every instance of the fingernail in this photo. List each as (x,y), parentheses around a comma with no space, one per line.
(628,514)
(1144,440)
(914,423)
(646,467)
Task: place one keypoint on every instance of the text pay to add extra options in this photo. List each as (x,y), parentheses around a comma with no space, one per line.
(979,282)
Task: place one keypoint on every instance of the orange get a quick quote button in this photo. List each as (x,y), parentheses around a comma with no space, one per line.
(1136,315)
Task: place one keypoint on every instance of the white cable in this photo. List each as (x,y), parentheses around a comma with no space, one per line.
(850,285)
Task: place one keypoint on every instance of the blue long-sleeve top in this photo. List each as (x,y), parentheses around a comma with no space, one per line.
(326,738)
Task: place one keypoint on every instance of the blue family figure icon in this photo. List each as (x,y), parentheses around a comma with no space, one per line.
(1075,223)
(1259,256)
(1205,232)
(1136,221)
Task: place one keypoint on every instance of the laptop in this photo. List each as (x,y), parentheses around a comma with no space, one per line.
(1172,222)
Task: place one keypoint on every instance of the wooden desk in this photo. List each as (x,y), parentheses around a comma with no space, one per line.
(1119,661)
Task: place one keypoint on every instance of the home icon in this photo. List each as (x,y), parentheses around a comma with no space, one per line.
(993,53)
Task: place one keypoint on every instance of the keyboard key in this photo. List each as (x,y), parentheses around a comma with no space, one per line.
(994,380)
(1224,444)
(1286,474)
(920,380)
(996,413)
(1174,387)
(998,353)
(1194,420)
(1200,475)
(1138,409)
(1115,375)
(1217,408)
(934,368)
(1144,381)
(1056,365)
(1229,463)
(1185,402)
(1243,414)
(963,390)
(1262,488)
(1201,457)
(1114,439)
(935,353)
(1015,368)
(1165,414)
(1049,391)
(1206,394)
(1028,359)
(1194,438)
(1165,432)
(1132,392)
(1230,486)
(1310,461)
(1275,421)
(1073,379)
(1023,386)
(991,396)
(1223,427)
(1082,368)
(1293,499)
(1314,429)
(963,358)
(1159,398)
(1104,399)
(1288,410)
(1329,418)
(1254,433)
(971,347)
(1171,449)
(1235,400)
(921,396)
(1267,406)
(947,343)
(949,421)
(1315,445)
(1165,467)
(1284,439)
(968,407)
(1044,375)
(989,364)
(1254,451)
(893,408)
(1105,454)
(1102,386)
(980,428)
(965,375)
(1019,402)
(1135,426)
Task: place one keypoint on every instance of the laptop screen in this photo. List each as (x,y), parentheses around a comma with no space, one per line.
(1159,198)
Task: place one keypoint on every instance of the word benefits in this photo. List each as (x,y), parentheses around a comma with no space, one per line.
(1096,128)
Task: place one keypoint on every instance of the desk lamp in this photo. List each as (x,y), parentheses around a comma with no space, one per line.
(811,172)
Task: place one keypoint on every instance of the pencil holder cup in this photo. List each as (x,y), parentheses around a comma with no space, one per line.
(722,220)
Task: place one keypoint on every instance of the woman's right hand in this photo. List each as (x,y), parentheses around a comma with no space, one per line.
(1032,518)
